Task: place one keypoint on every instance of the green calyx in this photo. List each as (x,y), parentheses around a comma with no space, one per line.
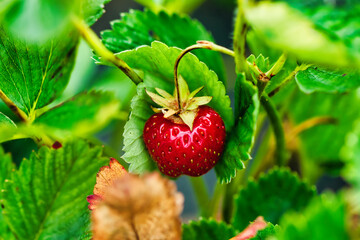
(182,108)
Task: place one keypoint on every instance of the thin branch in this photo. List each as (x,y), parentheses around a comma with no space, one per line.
(94,42)
(276,123)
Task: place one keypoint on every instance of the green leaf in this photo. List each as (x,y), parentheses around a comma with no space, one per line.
(46,197)
(138,28)
(309,224)
(6,167)
(8,132)
(350,152)
(271,196)
(289,30)
(6,121)
(83,114)
(134,147)
(32,75)
(177,6)
(316,79)
(320,146)
(268,232)
(92,10)
(338,20)
(262,62)
(241,137)
(157,64)
(38,19)
(207,229)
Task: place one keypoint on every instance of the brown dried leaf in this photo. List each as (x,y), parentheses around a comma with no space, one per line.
(145,208)
(106,176)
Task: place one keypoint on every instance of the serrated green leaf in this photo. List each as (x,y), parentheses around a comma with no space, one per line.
(6,167)
(46,197)
(269,231)
(287,29)
(324,218)
(157,63)
(92,10)
(177,6)
(81,115)
(271,196)
(261,62)
(32,75)
(320,146)
(207,229)
(241,138)
(316,79)
(6,121)
(134,147)
(138,28)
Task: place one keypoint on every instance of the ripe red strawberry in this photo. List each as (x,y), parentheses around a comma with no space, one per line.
(178,150)
(184,137)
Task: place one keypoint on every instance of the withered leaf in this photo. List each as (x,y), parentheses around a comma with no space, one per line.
(106,176)
(133,208)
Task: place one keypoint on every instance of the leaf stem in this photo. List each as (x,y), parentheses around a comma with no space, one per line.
(20,113)
(231,189)
(202,195)
(275,120)
(240,39)
(302,67)
(212,46)
(94,42)
(275,69)
(215,200)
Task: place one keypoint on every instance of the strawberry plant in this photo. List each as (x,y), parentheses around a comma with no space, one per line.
(98,130)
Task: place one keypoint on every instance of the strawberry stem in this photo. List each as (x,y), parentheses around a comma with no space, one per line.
(203,44)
